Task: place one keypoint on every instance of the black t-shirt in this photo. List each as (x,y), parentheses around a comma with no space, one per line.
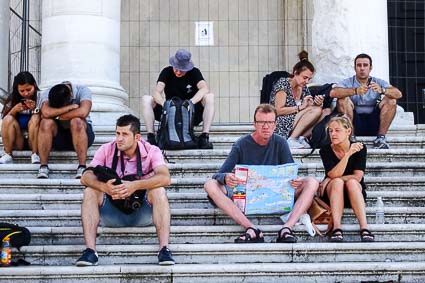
(357,161)
(184,87)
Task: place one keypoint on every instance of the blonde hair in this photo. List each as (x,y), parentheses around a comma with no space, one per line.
(343,120)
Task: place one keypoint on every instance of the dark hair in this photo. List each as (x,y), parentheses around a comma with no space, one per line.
(14,98)
(303,64)
(265,108)
(131,120)
(59,96)
(363,55)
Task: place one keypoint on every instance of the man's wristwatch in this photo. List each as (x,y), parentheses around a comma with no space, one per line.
(36,110)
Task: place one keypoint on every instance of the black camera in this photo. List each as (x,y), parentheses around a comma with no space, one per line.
(127,205)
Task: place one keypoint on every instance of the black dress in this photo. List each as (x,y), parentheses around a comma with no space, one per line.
(357,161)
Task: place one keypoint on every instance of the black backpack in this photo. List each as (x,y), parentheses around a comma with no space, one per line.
(268,82)
(19,236)
(175,130)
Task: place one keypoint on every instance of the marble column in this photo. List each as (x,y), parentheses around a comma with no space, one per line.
(4,49)
(341,29)
(81,43)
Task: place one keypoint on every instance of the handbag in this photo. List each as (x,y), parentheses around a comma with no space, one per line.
(320,213)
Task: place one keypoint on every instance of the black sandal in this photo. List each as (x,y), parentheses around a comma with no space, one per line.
(367,236)
(248,238)
(287,236)
(336,236)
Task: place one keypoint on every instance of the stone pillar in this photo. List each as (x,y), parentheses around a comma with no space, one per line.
(341,29)
(81,43)
(4,49)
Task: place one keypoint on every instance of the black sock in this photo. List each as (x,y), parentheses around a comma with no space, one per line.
(82,166)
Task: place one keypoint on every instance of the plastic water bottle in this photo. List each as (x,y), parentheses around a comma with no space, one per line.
(380,216)
(6,253)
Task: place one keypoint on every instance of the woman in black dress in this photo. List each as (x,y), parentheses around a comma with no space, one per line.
(344,186)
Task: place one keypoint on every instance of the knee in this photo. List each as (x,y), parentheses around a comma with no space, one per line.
(209,186)
(389,102)
(34,121)
(352,184)
(78,125)
(336,184)
(157,196)
(47,125)
(8,120)
(310,184)
(147,100)
(208,99)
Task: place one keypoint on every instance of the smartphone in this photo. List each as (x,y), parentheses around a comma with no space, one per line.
(369,80)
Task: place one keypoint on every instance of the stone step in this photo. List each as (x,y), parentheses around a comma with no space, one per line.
(216,234)
(187,185)
(209,216)
(180,200)
(219,155)
(406,271)
(234,253)
(205,170)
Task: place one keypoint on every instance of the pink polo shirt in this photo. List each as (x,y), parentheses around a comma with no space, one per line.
(151,158)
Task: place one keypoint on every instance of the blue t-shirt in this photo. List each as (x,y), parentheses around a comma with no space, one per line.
(79,93)
(246,151)
(363,103)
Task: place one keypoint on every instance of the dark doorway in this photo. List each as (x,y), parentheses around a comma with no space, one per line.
(406,27)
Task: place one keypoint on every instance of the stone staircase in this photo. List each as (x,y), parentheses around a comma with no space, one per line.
(202,237)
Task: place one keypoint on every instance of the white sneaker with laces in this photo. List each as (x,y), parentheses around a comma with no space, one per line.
(6,159)
(303,140)
(294,143)
(35,159)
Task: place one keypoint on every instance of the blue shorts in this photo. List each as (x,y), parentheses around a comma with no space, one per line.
(63,139)
(229,194)
(111,216)
(367,124)
(23,120)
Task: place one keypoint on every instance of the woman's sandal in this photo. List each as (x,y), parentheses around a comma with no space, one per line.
(367,236)
(287,236)
(247,238)
(336,236)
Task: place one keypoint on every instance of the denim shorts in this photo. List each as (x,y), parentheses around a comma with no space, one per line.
(229,194)
(111,216)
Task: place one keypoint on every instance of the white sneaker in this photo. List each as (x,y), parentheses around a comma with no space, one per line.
(80,171)
(294,143)
(303,140)
(6,158)
(35,159)
(43,172)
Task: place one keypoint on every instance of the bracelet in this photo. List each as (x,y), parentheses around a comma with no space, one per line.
(298,108)
(355,90)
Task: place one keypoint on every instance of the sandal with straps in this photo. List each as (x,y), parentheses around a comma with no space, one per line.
(367,236)
(248,238)
(287,236)
(336,236)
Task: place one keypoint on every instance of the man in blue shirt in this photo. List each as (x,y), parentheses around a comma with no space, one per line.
(370,102)
(65,124)
(262,147)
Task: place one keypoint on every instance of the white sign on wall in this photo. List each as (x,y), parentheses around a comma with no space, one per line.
(204,34)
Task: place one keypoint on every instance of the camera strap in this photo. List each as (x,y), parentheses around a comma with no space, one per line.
(138,157)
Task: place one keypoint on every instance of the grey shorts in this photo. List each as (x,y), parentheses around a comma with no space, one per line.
(111,216)
(229,194)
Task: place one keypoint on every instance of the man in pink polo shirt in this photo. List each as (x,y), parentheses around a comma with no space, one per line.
(143,166)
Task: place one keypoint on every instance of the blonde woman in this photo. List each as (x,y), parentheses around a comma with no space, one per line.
(344,186)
